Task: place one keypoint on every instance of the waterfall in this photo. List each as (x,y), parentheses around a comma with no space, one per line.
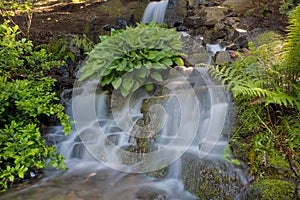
(155,11)
(185,123)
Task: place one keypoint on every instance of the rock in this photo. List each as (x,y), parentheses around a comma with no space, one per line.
(211,179)
(215,14)
(176,12)
(219,34)
(194,50)
(239,6)
(238,33)
(232,22)
(193,22)
(243,41)
(232,47)
(192,4)
(219,26)
(222,57)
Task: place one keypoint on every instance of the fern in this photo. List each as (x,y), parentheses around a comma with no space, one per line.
(292,46)
(250,78)
(266,91)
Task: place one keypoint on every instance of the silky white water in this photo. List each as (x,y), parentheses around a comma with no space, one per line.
(190,120)
(155,11)
(102,152)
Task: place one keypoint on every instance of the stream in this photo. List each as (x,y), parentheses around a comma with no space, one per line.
(185,132)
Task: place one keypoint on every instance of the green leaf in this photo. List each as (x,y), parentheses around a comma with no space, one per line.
(167,62)
(148,64)
(178,61)
(127,82)
(142,73)
(107,79)
(124,92)
(106,72)
(156,76)
(116,82)
(153,54)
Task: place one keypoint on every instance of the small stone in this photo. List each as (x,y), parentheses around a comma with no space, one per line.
(219,26)
(222,57)
(219,34)
(239,6)
(238,33)
(243,41)
(215,14)
(232,20)
(232,47)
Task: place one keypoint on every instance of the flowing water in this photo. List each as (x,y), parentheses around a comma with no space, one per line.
(155,11)
(182,125)
(189,120)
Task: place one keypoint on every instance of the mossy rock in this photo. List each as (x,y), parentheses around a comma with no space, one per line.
(272,189)
(208,179)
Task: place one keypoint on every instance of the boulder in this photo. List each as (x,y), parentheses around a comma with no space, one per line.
(239,6)
(215,14)
(238,33)
(194,50)
(222,57)
(219,34)
(211,179)
(243,41)
(232,22)
(175,13)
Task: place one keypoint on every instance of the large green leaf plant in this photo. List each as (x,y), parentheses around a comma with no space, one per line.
(126,58)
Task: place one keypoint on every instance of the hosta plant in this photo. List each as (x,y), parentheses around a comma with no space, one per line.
(140,53)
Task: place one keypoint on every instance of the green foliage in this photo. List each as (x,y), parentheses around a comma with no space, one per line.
(272,189)
(68,47)
(287,6)
(9,8)
(260,76)
(136,52)
(265,87)
(292,47)
(26,105)
(18,56)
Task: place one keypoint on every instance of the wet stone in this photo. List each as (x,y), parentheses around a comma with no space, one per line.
(243,41)
(219,34)
(222,57)
(211,179)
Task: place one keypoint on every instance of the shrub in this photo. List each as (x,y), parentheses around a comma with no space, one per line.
(26,104)
(18,57)
(136,52)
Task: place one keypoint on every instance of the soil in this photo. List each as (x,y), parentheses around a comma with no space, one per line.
(57,17)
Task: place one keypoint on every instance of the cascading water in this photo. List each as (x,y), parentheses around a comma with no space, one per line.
(155,11)
(103,153)
(194,103)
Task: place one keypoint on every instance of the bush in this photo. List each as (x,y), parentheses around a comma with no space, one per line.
(18,57)
(26,104)
(136,52)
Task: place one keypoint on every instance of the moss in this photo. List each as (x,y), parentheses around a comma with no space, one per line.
(240,149)
(210,179)
(279,160)
(267,38)
(272,189)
